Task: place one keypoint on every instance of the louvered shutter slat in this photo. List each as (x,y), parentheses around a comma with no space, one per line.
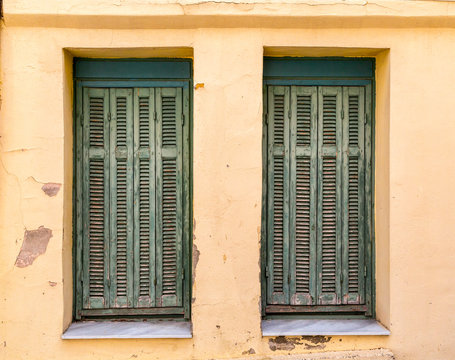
(144,180)
(329,195)
(278,206)
(169,196)
(353,195)
(303,163)
(95,170)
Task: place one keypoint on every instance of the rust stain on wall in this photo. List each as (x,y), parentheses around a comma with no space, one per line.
(34,244)
(51,189)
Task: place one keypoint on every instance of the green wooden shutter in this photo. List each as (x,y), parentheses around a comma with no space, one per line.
(169,187)
(329,195)
(121,187)
(303,185)
(278,190)
(318,186)
(144,197)
(95,214)
(353,286)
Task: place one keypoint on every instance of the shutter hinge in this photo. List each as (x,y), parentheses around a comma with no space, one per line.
(342,113)
(365,271)
(289,278)
(82,119)
(183,119)
(154,281)
(183,274)
(154,115)
(266,119)
(267,272)
(289,114)
(109,117)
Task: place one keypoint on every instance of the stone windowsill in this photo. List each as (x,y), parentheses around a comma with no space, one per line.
(292,327)
(129,330)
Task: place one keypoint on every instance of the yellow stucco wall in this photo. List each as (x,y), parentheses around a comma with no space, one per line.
(413,43)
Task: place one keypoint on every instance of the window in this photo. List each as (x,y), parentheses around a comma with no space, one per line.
(132,188)
(317,203)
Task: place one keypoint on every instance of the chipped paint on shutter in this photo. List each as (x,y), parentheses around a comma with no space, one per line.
(303,163)
(329,195)
(95,152)
(121,156)
(278,208)
(353,195)
(169,196)
(144,187)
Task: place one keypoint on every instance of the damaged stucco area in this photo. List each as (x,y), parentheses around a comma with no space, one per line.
(289,343)
(34,244)
(51,189)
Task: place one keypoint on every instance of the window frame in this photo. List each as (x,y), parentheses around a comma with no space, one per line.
(131,73)
(324,71)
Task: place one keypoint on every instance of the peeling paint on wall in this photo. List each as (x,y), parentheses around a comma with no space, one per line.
(196,254)
(51,189)
(34,244)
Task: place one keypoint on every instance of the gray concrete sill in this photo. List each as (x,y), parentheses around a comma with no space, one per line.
(292,327)
(129,330)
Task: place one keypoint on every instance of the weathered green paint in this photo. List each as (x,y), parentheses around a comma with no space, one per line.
(350,163)
(121,155)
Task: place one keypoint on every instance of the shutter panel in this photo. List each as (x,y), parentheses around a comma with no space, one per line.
(303,162)
(121,185)
(169,196)
(95,269)
(353,195)
(278,195)
(329,195)
(144,188)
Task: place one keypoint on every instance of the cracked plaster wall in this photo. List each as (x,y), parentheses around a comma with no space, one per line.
(413,206)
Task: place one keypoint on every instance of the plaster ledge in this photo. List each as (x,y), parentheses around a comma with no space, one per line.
(129,330)
(376,354)
(292,327)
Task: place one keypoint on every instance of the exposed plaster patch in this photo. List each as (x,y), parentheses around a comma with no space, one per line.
(52,283)
(249,352)
(51,189)
(34,244)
